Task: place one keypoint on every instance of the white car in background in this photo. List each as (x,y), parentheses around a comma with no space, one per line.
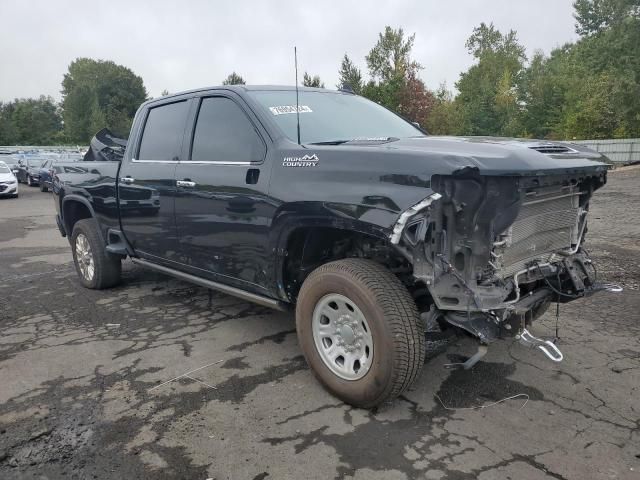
(8,181)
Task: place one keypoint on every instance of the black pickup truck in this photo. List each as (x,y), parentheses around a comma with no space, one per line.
(377,233)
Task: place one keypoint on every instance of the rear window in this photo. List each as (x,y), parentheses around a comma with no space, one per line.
(163,132)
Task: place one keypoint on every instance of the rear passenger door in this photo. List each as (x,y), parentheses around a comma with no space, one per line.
(146,187)
(223,211)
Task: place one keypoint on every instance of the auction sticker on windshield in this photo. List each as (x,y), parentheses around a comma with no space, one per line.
(284,109)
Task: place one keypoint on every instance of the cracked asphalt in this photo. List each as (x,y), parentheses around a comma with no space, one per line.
(85,388)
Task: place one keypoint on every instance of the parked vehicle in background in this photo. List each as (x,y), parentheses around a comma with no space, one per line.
(8,181)
(12,161)
(375,232)
(50,167)
(29,170)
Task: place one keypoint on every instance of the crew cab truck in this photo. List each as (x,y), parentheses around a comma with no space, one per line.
(375,232)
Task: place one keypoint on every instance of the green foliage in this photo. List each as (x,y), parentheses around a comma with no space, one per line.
(591,88)
(394,81)
(595,16)
(312,81)
(445,117)
(233,79)
(350,75)
(586,89)
(390,58)
(30,121)
(98,94)
(488,95)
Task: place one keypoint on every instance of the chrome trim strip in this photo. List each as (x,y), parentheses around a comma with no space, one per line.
(216,162)
(236,292)
(154,161)
(407,214)
(200,162)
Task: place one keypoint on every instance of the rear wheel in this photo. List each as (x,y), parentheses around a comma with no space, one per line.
(360,331)
(96,267)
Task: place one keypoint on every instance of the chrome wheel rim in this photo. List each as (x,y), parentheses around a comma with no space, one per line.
(342,337)
(84,257)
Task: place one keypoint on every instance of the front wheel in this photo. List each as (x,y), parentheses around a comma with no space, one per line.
(360,331)
(96,267)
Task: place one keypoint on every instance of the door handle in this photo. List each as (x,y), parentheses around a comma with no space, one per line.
(185,183)
(127,180)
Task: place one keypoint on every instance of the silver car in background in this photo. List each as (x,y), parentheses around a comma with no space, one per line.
(8,181)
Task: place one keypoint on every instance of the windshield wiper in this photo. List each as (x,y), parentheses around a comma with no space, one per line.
(330,142)
(357,141)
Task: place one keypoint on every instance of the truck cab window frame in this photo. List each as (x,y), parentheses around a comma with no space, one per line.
(177,130)
(222,102)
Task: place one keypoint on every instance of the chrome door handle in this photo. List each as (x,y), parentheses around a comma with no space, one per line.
(127,180)
(185,183)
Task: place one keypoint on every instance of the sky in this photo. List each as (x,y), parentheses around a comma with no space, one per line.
(178,45)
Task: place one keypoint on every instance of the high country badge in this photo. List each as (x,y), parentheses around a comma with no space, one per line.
(305,161)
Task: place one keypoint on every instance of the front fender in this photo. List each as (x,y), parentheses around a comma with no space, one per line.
(371,221)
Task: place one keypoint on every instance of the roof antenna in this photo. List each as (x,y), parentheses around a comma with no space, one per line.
(295,59)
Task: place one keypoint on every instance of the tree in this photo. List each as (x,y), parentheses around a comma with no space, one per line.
(349,75)
(590,88)
(30,121)
(489,93)
(595,16)
(444,118)
(543,90)
(394,75)
(7,127)
(390,58)
(233,79)
(309,81)
(96,91)
(415,102)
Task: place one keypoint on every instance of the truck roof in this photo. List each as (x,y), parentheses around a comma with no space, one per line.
(246,88)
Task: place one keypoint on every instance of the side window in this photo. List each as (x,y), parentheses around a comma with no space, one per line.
(163,131)
(224,134)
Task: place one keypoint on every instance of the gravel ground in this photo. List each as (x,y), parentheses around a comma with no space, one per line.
(83,392)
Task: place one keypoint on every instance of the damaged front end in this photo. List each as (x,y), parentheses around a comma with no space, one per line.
(495,251)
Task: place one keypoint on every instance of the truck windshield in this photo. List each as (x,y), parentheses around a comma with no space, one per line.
(332,117)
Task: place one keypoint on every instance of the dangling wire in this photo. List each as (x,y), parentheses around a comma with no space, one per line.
(557,316)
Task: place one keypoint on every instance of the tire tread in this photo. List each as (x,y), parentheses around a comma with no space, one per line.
(108,267)
(400,312)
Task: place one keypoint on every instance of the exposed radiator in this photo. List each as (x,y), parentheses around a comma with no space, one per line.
(547,223)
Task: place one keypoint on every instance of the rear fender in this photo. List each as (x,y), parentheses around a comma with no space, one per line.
(67,222)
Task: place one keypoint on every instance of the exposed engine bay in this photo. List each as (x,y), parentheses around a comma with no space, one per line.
(495,251)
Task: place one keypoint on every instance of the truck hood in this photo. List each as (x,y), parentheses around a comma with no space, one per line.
(499,156)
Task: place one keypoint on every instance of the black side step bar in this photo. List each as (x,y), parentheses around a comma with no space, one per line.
(236,292)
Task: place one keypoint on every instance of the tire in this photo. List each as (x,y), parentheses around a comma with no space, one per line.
(392,330)
(43,187)
(96,268)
